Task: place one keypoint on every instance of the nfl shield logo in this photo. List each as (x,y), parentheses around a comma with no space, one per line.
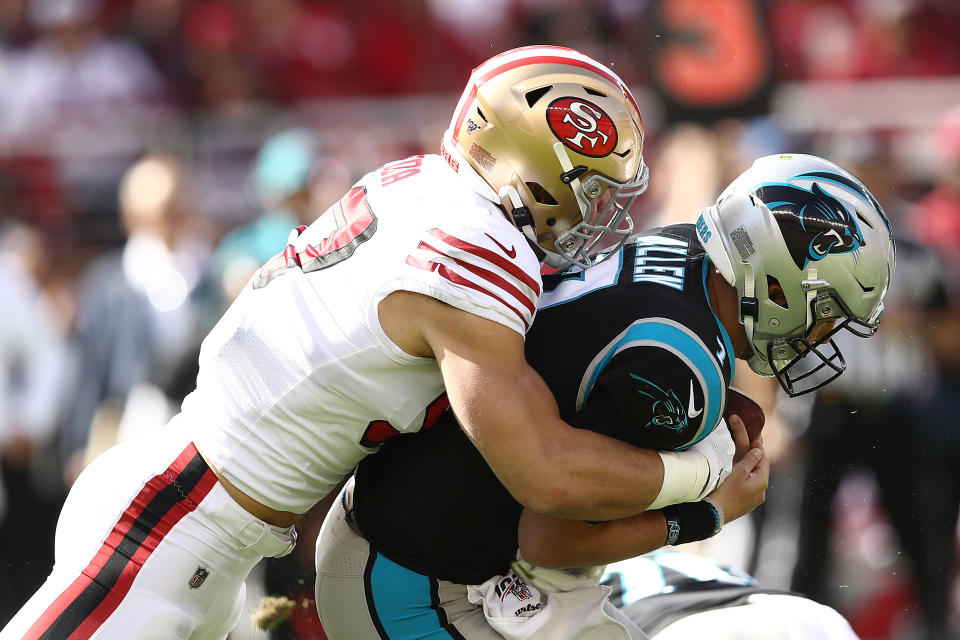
(198,577)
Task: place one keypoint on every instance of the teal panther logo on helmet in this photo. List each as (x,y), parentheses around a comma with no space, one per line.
(814,224)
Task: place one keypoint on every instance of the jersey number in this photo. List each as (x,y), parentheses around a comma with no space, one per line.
(379,430)
(570,285)
(356,224)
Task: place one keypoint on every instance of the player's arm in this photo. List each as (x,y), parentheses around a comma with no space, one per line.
(657,408)
(511,417)
(558,543)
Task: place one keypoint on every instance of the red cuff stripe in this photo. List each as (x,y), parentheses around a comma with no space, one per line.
(490,277)
(454,277)
(490,256)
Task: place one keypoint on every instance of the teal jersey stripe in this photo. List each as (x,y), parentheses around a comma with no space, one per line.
(670,335)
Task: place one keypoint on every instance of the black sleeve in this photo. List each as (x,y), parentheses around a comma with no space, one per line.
(643,397)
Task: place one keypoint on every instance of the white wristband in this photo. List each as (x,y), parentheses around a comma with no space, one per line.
(685,473)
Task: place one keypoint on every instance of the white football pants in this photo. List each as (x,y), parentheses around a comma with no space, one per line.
(363,595)
(148,545)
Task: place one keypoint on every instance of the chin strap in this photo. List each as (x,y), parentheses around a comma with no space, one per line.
(749,305)
(811,285)
(749,313)
(520,214)
(571,176)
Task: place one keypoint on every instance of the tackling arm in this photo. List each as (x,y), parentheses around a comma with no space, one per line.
(560,544)
(511,417)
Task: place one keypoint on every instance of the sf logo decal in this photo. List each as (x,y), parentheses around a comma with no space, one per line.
(582,126)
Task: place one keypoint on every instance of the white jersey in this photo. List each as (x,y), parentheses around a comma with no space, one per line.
(298,381)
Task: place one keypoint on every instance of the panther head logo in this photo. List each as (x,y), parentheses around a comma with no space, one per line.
(814,224)
(666,418)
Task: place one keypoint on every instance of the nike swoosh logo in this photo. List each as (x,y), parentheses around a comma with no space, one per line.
(511,252)
(691,411)
(722,352)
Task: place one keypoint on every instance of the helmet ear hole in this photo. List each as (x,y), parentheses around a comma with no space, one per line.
(863,218)
(541,195)
(775,292)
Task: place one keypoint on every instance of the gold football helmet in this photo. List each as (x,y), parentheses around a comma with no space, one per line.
(559,139)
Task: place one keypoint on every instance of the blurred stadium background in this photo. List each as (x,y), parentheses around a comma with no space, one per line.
(153,152)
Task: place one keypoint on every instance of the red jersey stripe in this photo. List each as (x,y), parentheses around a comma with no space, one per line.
(452,276)
(490,256)
(489,276)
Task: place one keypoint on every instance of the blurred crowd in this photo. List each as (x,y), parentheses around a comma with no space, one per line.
(153,153)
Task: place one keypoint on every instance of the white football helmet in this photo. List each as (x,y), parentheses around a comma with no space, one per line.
(814,229)
(558,137)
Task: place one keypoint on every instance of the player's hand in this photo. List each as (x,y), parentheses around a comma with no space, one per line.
(718,448)
(745,488)
(741,441)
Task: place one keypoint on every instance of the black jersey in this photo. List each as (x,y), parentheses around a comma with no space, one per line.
(630,348)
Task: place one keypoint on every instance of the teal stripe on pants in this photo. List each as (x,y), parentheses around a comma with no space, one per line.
(405,603)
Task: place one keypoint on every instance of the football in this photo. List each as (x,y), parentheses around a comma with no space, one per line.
(738,403)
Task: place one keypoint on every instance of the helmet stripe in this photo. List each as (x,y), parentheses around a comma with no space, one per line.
(525,56)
